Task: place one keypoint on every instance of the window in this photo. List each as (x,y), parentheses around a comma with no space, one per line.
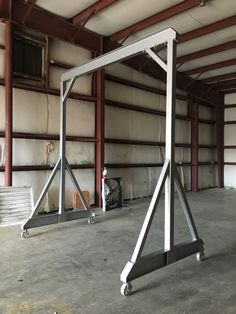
(29,56)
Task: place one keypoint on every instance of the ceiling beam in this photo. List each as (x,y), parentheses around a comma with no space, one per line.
(223,88)
(206,52)
(219,77)
(190,85)
(154,19)
(224,83)
(210,67)
(230,21)
(50,24)
(230,91)
(31,4)
(91,10)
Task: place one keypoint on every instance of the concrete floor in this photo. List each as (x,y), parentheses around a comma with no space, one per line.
(75,267)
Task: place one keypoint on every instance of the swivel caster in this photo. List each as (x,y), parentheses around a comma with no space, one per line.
(126,289)
(25,234)
(200,256)
(91,221)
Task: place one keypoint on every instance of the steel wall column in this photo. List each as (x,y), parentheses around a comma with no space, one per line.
(8,103)
(220,141)
(194,146)
(99,134)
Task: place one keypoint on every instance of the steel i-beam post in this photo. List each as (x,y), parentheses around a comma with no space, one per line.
(99,131)
(220,141)
(8,102)
(170,145)
(194,146)
(62,148)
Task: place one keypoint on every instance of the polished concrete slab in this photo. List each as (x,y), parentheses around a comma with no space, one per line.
(75,267)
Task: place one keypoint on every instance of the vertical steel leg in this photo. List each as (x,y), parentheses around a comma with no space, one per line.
(64,91)
(170,146)
(62,147)
(150,213)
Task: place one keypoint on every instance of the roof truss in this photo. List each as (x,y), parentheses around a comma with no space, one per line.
(224,83)
(154,19)
(210,67)
(50,24)
(230,21)
(218,78)
(90,11)
(207,52)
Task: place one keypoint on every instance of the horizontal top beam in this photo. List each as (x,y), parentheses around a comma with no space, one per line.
(120,54)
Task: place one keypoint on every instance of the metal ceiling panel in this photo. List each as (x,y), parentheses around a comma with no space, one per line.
(66,9)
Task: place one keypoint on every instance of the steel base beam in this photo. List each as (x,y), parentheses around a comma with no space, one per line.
(50,219)
(35,220)
(159,259)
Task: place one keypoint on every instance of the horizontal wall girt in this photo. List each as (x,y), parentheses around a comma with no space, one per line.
(141,165)
(230,106)
(49,91)
(153,143)
(49,137)
(45,167)
(230,122)
(142,142)
(230,147)
(122,105)
(147,88)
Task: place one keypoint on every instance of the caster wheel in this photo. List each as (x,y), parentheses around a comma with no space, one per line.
(24,234)
(126,289)
(200,256)
(91,221)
